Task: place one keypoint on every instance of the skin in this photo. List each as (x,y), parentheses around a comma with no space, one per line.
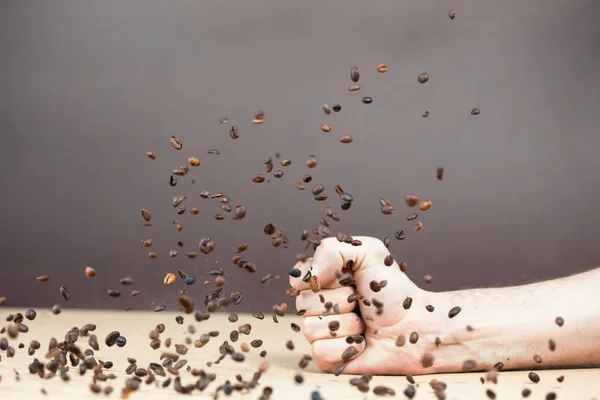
(510,325)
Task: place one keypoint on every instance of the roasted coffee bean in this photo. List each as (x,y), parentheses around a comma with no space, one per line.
(469,365)
(533,377)
(413,338)
(176,143)
(375,287)
(223,120)
(173,180)
(425,114)
(411,200)
(121,341)
(427,360)
(423,77)
(498,366)
(234,132)
(537,359)
(269,229)
(559,321)
(367,100)
(425,205)
(412,216)
(410,391)
(452,13)
(403,266)
(113,293)
(551,345)
(325,128)
(354,74)
(400,341)
(490,394)
(295,273)
(407,303)
(346,139)
(151,155)
(43,278)
(169,279)
(317,189)
(387,210)
(111,338)
(438,341)
(30,314)
(349,353)
(388,260)
(400,235)
(381,68)
(334,326)
(429,308)
(295,327)
(526,392)
(475,111)
(336,108)
(64,293)
(238,357)
(326,108)
(289,345)
(560,378)
(354,87)
(439,174)
(454,312)
(551,396)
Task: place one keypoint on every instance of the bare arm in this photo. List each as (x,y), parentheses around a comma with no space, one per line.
(517,325)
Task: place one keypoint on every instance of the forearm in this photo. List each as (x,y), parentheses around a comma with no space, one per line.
(512,325)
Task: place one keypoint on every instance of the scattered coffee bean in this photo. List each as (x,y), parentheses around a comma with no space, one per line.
(559,321)
(452,13)
(413,338)
(423,77)
(454,312)
(537,359)
(475,111)
(367,100)
(381,68)
(407,303)
(533,377)
(176,143)
(64,293)
(469,365)
(346,139)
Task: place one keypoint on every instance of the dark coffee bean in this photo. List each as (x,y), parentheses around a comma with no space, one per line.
(289,345)
(295,327)
(111,338)
(256,343)
(537,359)
(413,338)
(258,315)
(454,312)
(400,341)
(498,366)
(411,200)
(412,216)
(30,314)
(490,394)
(439,173)
(475,111)
(469,365)
(526,392)
(307,179)
(146,215)
(427,360)
(438,341)
(179,319)
(336,108)
(234,132)
(533,377)
(552,345)
(375,287)
(326,108)
(334,326)
(403,266)
(113,293)
(388,260)
(410,391)
(173,180)
(238,357)
(407,303)
(367,100)
(121,341)
(560,378)
(452,13)
(423,77)
(400,235)
(131,369)
(551,396)
(72,335)
(354,74)
(317,188)
(410,379)
(346,139)
(429,308)
(295,273)
(64,293)
(349,353)
(269,229)
(559,321)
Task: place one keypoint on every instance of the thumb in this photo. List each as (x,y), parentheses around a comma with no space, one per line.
(333,257)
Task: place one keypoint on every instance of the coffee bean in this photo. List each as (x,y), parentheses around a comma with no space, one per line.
(425,114)
(475,111)
(295,327)
(411,200)
(64,293)
(374,285)
(400,235)
(169,279)
(388,260)
(526,392)
(234,132)
(269,229)
(56,309)
(42,278)
(111,338)
(427,360)
(354,87)
(560,378)
(113,293)
(325,128)
(423,77)
(151,155)
(533,377)
(381,68)
(367,100)
(173,180)
(454,312)
(336,108)
(551,396)
(223,120)
(412,216)
(317,189)
(559,321)
(468,365)
(315,286)
(295,273)
(498,366)
(334,326)
(326,108)
(176,143)
(400,341)
(30,314)
(407,303)
(410,391)
(346,139)
(289,345)
(403,266)
(452,13)
(537,359)
(349,353)
(429,308)
(552,345)
(160,308)
(413,338)
(146,215)
(439,174)
(354,74)
(428,278)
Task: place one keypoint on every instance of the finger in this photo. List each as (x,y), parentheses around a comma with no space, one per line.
(330,353)
(313,306)
(331,326)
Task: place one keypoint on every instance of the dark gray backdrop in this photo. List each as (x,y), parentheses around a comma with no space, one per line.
(88,87)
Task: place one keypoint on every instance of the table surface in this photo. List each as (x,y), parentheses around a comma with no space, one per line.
(135,326)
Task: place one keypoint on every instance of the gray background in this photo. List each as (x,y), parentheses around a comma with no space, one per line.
(88,87)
